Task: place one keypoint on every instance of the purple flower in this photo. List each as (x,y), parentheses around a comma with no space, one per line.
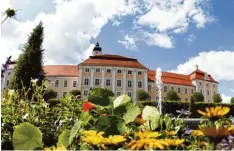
(183,112)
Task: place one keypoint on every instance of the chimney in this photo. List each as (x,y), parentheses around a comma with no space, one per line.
(196,66)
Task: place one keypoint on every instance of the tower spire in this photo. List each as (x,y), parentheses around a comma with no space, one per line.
(97,50)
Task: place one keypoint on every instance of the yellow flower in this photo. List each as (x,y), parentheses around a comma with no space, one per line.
(174,142)
(197,133)
(54,148)
(231,129)
(147,143)
(170,133)
(147,134)
(217,111)
(113,140)
(92,137)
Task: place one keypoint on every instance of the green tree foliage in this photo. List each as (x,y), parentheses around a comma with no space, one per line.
(142,95)
(197,97)
(217,98)
(75,93)
(232,100)
(50,94)
(29,63)
(101,96)
(172,96)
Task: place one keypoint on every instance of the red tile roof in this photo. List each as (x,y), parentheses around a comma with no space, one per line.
(198,74)
(61,70)
(171,78)
(112,60)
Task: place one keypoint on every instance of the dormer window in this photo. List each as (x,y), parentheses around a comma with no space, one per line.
(206,77)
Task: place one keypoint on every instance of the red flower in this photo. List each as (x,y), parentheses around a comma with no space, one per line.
(87,106)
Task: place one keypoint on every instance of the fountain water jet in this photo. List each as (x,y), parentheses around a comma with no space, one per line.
(159,84)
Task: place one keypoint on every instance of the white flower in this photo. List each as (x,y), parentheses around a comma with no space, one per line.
(11,92)
(34,80)
(25,116)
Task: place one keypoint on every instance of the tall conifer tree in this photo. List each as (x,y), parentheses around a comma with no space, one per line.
(30,63)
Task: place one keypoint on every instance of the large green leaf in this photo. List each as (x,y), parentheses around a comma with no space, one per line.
(122,127)
(152,116)
(27,137)
(63,139)
(121,100)
(132,112)
(107,124)
(74,131)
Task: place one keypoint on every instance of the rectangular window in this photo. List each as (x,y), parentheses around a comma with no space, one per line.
(172,88)
(97,82)
(129,83)
(108,82)
(186,99)
(207,84)
(129,72)
(157,98)
(118,94)
(108,70)
(56,94)
(86,81)
(56,83)
(49,81)
(97,70)
(149,87)
(164,98)
(192,91)
(9,73)
(74,83)
(86,69)
(130,94)
(186,91)
(85,93)
(64,93)
(7,82)
(119,71)
(213,85)
(201,91)
(65,83)
(208,92)
(179,90)
(139,73)
(119,83)
(165,89)
(139,84)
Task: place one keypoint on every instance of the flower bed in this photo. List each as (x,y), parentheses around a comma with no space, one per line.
(120,125)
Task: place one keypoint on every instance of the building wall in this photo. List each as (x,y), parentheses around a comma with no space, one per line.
(182,93)
(114,75)
(5,80)
(208,89)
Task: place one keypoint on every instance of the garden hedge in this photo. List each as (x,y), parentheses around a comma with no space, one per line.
(172,106)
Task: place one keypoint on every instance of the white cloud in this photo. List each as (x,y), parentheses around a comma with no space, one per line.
(162,19)
(68,30)
(226,99)
(128,42)
(191,37)
(161,40)
(217,63)
(174,15)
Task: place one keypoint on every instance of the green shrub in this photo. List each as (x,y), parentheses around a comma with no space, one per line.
(142,95)
(53,102)
(49,94)
(232,100)
(101,96)
(172,95)
(197,97)
(217,98)
(172,106)
(75,93)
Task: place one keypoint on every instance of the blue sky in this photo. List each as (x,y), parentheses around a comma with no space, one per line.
(172,35)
